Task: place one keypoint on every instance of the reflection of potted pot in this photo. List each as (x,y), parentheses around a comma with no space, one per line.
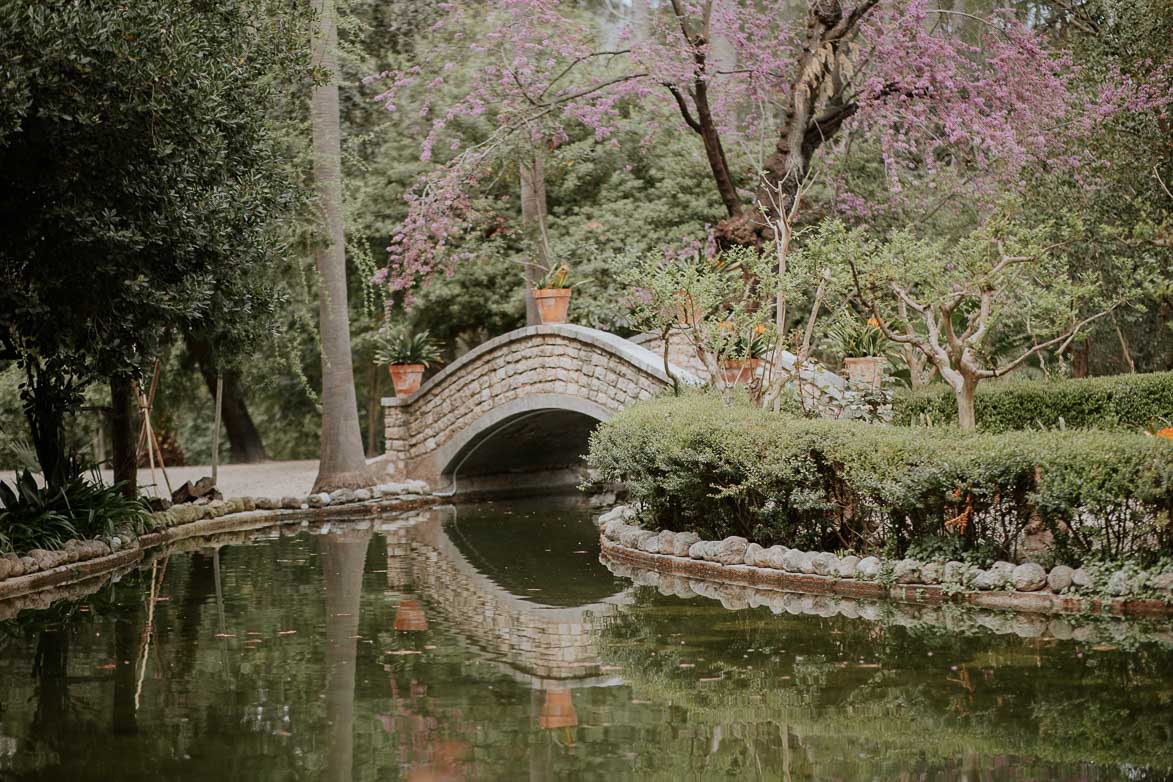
(407,356)
(558,709)
(552,295)
(410,617)
(740,370)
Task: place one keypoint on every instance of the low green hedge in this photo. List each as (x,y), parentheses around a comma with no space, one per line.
(1119,402)
(698,464)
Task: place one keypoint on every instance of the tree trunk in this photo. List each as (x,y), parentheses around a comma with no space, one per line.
(244,440)
(965,394)
(804,128)
(374,385)
(124,459)
(1081,359)
(44,402)
(533,221)
(342,462)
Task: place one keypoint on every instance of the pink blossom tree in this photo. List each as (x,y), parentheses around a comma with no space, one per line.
(780,90)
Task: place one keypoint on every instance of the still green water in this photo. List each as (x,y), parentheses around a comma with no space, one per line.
(488,642)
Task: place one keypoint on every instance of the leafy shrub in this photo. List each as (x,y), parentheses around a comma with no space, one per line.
(698,464)
(32,516)
(1118,402)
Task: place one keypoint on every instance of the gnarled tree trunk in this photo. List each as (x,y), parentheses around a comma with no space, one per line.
(342,464)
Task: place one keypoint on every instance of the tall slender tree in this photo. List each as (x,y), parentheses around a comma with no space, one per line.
(343,463)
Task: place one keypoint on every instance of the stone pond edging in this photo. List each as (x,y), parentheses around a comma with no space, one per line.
(684,554)
(81,561)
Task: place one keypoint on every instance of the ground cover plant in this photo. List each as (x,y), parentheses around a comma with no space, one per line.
(695,463)
(34,516)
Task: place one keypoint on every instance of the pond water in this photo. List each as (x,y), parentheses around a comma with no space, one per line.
(488,642)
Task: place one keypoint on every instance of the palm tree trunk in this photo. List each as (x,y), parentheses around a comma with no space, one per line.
(342,462)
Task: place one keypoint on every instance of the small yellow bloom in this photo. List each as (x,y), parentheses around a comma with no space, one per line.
(759,329)
(874,322)
(725,324)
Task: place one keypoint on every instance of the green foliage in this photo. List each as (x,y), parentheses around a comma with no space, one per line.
(722,301)
(558,277)
(400,346)
(718,469)
(853,337)
(1121,402)
(34,516)
(143,188)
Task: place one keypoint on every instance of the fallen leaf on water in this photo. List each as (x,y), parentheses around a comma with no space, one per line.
(1104,648)
(286,632)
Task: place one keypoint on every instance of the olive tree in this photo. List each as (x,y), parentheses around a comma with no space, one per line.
(979,307)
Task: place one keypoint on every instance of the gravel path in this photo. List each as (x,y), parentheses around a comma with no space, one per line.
(267,479)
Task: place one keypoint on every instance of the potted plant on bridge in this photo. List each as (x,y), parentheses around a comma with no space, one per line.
(552,297)
(862,345)
(407,355)
(744,356)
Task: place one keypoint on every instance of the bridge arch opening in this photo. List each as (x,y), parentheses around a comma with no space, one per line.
(534,443)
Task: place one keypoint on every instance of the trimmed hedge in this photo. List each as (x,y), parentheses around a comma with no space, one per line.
(1119,402)
(700,465)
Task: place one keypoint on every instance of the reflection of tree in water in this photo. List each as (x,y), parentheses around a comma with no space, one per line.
(343,557)
(829,697)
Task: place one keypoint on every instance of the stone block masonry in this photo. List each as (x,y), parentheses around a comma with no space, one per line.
(558,367)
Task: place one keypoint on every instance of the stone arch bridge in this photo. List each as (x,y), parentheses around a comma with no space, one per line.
(516,411)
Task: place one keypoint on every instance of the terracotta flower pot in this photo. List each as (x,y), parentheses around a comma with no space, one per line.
(865,370)
(406,378)
(740,370)
(410,617)
(557,710)
(552,304)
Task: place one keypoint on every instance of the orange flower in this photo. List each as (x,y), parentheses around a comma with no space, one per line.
(1167,433)
(759,329)
(725,324)
(874,322)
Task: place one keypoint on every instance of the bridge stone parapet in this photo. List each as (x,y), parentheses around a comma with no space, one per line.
(536,392)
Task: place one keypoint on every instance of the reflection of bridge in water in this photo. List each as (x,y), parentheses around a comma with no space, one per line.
(540,644)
